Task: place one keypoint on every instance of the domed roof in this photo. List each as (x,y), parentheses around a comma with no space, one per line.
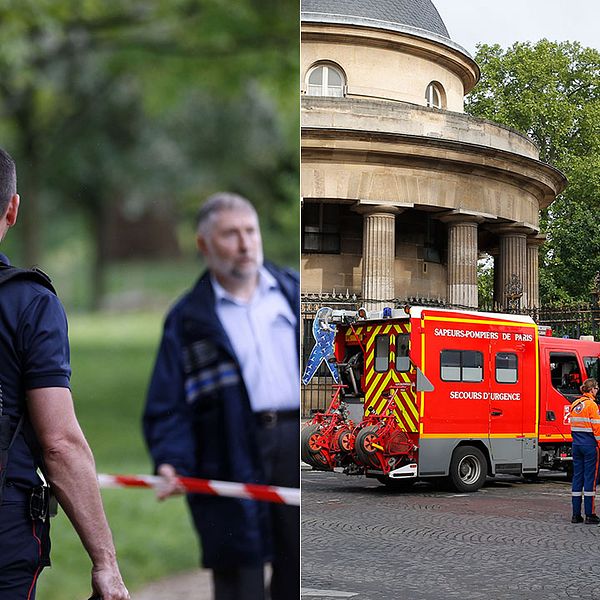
(417,14)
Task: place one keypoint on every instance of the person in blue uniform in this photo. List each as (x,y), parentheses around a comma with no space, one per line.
(223,403)
(39,426)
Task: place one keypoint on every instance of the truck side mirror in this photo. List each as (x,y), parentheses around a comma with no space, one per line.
(423,384)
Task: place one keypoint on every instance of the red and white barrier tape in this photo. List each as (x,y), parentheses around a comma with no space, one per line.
(249,491)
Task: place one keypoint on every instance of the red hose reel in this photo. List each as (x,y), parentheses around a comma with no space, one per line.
(331,439)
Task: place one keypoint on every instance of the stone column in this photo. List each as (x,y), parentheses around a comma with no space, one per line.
(513,277)
(462,259)
(379,248)
(533,269)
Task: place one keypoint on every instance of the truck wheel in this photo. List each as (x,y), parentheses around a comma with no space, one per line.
(468,469)
(343,440)
(310,450)
(365,451)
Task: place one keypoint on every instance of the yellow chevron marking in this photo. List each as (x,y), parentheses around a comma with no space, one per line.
(373,393)
(381,384)
(369,363)
(408,400)
(376,383)
(372,331)
(405,410)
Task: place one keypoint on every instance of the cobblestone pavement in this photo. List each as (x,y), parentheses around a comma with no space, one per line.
(512,540)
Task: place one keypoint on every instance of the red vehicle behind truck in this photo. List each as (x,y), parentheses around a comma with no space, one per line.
(428,392)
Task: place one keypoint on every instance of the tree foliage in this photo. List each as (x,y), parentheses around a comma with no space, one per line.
(485,282)
(153,101)
(551,92)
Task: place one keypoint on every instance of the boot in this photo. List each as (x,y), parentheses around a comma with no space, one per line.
(576,519)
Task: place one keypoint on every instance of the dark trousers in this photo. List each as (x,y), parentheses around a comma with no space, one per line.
(280,449)
(241,583)
(585,472)
(281,455)
(24,549)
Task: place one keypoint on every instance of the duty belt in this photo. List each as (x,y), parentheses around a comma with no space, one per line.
(270,418)
(39,499)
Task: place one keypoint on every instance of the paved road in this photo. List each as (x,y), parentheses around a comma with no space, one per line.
(195,585)
(512,540)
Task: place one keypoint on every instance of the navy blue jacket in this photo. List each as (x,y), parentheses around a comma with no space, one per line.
(34,347)
(214,435)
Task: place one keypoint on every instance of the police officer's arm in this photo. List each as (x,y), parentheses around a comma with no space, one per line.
(72,473)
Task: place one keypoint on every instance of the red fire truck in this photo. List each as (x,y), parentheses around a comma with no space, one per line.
(428,392)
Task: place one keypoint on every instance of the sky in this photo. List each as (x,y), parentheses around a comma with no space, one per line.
(507,21)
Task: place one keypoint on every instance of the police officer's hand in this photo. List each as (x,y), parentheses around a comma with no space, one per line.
(170,486)
(108,584)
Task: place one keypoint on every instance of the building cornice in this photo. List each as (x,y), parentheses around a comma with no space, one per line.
(396,116)
(399,150)
(402,39)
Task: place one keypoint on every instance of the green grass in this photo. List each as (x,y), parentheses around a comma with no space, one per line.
(112,357)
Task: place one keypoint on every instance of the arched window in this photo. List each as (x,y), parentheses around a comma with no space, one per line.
(325,80)
(435,97)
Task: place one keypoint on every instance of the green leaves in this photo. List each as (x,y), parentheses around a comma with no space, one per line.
(551,92)
(106,102)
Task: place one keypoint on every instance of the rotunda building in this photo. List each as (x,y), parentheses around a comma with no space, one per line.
(402,192)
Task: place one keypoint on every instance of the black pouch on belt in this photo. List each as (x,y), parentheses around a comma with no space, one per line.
(39,503)
(6,441)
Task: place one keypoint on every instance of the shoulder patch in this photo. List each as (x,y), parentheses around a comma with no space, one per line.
(198,355)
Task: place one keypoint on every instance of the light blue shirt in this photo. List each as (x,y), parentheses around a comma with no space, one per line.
(263,335)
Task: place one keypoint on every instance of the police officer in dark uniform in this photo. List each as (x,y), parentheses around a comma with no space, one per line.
(39,429)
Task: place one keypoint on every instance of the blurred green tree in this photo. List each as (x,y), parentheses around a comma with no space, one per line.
(113,102)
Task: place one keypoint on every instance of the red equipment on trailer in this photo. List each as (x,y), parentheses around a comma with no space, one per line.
(327,441)
(429,392)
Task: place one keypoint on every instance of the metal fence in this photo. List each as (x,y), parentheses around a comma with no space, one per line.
(570,322)
(565,321)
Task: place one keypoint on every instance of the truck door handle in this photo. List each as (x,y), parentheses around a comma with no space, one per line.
(496,413)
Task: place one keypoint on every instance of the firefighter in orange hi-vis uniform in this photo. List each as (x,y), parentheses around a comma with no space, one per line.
(585,429)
